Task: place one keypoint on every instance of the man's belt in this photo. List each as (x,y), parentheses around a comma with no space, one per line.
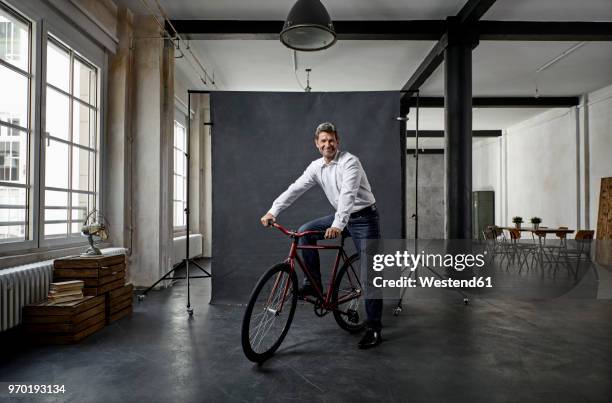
(364,211)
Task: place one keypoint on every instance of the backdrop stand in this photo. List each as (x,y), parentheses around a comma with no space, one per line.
(398,307)
(186,260)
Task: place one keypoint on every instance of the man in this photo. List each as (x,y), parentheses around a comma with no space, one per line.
(346,186)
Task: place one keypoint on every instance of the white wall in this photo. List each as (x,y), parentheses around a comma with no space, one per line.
(542,169)
(550,165)
(598,125)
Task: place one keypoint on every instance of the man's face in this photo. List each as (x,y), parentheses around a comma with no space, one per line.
(327,144)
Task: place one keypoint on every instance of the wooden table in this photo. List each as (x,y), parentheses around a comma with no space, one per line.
(543,230)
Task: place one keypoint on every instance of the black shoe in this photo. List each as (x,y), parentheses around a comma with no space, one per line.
(371,338)
(307,290)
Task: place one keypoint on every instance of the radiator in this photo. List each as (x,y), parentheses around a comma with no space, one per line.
(195,247)
(28,284)
(22,285)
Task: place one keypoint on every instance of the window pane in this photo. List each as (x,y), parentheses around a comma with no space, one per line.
(56,164)
(14,98)
(56,214)
(57,199)
(14,41)
(55,230)
(179,214)
(12,214)
(178,162)
(82,174)
(76,227)
(58,114)
(82,204)
(179,189)
(82,124)
(79,214)
(180,138)
(58,67)
(13,156)
(84,82)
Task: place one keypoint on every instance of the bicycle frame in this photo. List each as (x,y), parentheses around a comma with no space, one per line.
(326,303)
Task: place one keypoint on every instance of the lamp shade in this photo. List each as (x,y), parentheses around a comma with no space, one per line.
(308,27)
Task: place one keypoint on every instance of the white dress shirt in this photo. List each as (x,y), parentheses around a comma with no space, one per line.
(343,180)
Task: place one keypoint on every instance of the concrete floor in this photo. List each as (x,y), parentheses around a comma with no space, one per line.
(494,350)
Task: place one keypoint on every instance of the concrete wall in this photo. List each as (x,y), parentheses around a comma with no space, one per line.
(118,138)
(430,195)
(152,111)
(102,12)
(206,178)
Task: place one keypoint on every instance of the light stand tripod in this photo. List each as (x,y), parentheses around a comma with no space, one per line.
(398,307)
(186,260)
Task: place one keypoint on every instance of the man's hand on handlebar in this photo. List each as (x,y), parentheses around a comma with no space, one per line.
(332,232)
(267,220)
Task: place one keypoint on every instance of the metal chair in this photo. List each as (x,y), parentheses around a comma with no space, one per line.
(522,251)
(583,241)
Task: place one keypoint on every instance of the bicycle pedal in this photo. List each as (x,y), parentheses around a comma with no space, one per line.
(352,315)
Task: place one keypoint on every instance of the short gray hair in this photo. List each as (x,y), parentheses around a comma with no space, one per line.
(326,127)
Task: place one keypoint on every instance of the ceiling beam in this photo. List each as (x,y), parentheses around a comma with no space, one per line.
(346,30)
(473,10)
(434,58)
(403,30)
(544,31)
(440,133)
(469,14)
(501,102)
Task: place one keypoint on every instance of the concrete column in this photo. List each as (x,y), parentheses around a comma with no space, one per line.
(195,192)
(116,164)
(458,136)
(206,177)
(152,110)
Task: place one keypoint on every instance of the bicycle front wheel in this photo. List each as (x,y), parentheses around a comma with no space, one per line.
(348,296)
(269,313)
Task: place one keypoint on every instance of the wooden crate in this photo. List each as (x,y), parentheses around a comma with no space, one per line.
(119,303)
(64,323)
(603,253)
(100,273)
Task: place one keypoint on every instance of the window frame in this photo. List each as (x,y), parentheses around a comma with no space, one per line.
(179,229)
(46,137)
(47,20)
(30,130)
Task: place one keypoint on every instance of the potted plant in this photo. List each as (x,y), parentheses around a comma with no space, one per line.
(517,221)
(536,222)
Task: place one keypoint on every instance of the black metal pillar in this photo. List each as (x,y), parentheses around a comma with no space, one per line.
(458,133)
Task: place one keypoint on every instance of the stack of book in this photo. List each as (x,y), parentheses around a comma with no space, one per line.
(66,291)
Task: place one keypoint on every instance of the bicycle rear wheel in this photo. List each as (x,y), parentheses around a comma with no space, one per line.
(269,313)
(348,296)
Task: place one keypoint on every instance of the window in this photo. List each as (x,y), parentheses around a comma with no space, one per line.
(180,176)
(70,140)
(16,77)
(50,124)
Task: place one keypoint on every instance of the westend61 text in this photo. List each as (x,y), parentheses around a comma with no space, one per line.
(432,282)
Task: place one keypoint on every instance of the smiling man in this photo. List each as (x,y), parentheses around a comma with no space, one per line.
(346,186)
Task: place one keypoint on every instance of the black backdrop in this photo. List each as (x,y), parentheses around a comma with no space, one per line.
(261,142)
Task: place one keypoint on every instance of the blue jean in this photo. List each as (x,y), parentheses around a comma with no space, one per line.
(359,228)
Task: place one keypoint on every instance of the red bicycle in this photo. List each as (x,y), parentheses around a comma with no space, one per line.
(274,299)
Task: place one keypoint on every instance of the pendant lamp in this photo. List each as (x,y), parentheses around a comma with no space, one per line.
(308,27)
